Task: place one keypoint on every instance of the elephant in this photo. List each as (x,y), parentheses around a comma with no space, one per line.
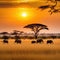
(49,41)
(33,42)
(5,41)
(39,41)
(17,41)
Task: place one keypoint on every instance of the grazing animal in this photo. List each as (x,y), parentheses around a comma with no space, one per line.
(17,41)
(33,42)
(39,41)
(49,41)
(5,41)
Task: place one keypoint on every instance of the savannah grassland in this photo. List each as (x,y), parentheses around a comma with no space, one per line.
(28,51)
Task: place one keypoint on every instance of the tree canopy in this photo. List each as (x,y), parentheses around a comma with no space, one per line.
(36,28)
(53,8)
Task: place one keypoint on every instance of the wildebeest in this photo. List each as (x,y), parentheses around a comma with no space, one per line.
(39,41)
(49,41)
(5,41)
(17,41)
(33,42)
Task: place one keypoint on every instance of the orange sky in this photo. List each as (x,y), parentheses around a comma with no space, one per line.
(11,19)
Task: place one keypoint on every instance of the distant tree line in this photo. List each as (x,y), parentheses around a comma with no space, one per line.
(36,28)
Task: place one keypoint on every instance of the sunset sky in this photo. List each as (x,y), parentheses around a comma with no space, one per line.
(15,18)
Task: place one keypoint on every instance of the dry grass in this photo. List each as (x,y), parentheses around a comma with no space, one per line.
(28,51)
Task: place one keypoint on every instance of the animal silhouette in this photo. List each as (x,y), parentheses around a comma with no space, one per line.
(36,27)
(5,41)
(49,41)
(39,41)
(33,42)
(17,41)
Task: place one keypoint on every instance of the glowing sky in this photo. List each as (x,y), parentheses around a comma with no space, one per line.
(11,18)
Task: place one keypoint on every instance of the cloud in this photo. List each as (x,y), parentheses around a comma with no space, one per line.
(21,4)
(8,4)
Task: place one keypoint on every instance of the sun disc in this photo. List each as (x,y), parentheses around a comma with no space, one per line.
(24,14)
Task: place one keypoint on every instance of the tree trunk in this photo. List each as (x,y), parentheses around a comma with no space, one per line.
(35,35)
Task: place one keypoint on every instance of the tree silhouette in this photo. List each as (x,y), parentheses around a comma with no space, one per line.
(44,7)
(5,36)
(16,36)
(36,28)
(54,8)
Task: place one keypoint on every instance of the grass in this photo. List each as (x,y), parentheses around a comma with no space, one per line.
(28,51)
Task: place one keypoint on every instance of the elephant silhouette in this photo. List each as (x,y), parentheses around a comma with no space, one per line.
(49,41)
(5,41)
(40,41)
(33,42)
(17,41)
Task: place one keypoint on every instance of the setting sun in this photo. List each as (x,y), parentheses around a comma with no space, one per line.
(24,14)
(29,29)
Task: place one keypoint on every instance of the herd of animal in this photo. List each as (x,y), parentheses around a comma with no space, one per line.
(41,41)
(33,42)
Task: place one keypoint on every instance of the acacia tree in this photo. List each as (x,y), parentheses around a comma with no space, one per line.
(36,28)
(54,8)
(5,36)
(16,34)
